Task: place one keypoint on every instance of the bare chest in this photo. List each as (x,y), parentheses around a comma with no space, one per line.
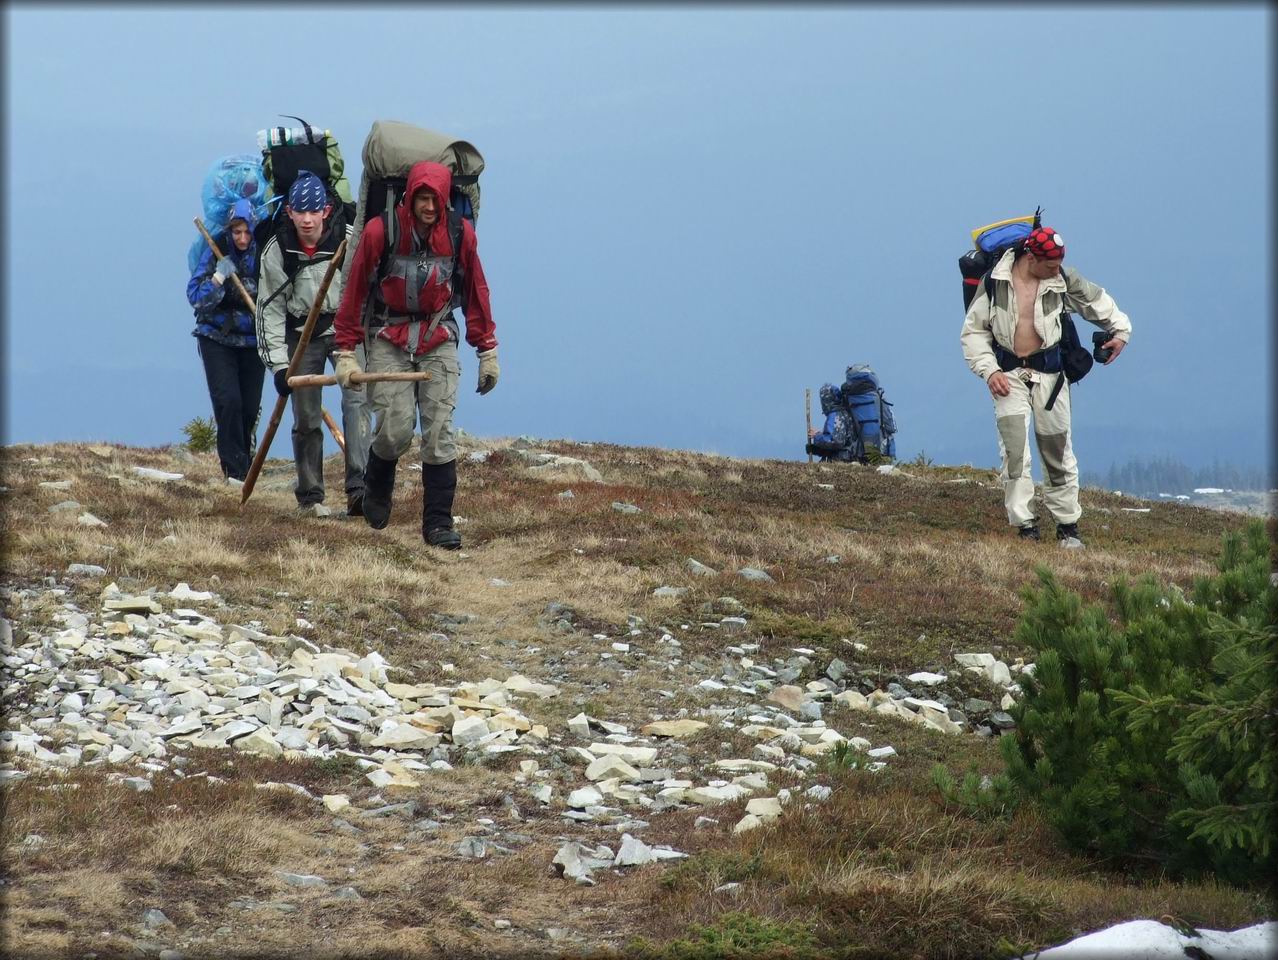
(1026,339)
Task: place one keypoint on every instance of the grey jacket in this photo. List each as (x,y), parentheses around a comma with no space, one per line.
(295,302)
(988,323)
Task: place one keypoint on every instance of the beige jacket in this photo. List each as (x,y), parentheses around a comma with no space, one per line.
(988,323)
(295,301)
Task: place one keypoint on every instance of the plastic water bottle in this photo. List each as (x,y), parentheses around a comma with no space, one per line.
(271,137)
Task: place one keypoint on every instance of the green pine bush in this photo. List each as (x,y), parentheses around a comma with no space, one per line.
(201,434)
(1152,737)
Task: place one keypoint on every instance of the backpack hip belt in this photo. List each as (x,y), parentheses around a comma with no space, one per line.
(323,323)
(1046,360)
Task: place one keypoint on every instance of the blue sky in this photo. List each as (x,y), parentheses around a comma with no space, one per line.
(689,216)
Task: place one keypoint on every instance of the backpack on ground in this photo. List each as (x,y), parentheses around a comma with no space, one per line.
(989,243)
(390,151)
(872,419)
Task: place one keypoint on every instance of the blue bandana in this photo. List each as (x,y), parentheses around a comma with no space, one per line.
(307,194)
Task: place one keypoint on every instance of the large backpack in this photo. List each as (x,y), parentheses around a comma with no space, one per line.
(989,243)
(390,151)
(228,180)
(871,415)
(285,152)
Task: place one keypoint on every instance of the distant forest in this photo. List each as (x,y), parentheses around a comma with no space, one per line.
(1167,475)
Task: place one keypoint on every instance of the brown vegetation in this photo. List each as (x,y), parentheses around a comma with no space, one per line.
(928,568)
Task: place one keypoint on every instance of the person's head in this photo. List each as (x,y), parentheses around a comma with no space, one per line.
(425,199)
(1044,250)
(240,224)
(308,206)
(425,208)
(830,398)
(241,235)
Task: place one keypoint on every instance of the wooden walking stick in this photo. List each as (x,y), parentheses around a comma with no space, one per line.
(328,418)
(293,362)
(327,379)
(333,429)
(807,404)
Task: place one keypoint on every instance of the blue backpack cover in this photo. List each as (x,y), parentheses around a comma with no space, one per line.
(872,418)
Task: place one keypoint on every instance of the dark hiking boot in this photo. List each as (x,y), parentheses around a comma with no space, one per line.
(1028,530)
(379,486)
(439,486)
(1067,534)
(355,504)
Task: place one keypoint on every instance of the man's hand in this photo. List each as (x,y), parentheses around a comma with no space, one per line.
(998,384)
(225,267)
(1116,345)
(346,365)
(281,382)
(488,370)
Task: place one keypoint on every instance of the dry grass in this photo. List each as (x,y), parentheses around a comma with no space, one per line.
(928,568)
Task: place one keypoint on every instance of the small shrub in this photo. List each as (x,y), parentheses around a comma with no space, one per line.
(736,936)
(712,868)
(1153,738)
(201,435)
(844,756)
(986,798)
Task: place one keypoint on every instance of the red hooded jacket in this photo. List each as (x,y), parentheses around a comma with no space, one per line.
(349,322)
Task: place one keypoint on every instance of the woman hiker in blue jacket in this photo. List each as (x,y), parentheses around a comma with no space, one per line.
(227,340)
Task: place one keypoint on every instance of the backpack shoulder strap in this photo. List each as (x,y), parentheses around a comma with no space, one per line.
(390,240)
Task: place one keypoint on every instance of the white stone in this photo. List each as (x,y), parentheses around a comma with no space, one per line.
(609,766)
(469,730)
(148,474)
(260,742)
(764,807)
(927,679)
(998,673)
(981,660)
(641,756)
(584,797)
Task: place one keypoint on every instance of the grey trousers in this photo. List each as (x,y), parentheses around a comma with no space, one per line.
(1012,415)
(308,424)
(397,405)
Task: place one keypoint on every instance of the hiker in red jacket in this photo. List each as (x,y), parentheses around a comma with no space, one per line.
(403,304)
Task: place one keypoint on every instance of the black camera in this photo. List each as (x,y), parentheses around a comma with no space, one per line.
(1098,338)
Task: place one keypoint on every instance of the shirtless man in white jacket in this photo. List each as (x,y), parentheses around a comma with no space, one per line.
(1006,343)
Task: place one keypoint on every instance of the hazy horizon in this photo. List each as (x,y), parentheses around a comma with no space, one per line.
(689,216)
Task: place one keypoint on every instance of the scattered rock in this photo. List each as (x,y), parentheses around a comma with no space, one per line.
(302,879)
(85,570)
(753,573)
(154,919)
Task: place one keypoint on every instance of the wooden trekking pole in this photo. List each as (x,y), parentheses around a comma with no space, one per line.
(332,428)
(807,405)
(327,379)
(235,277)
(293,362)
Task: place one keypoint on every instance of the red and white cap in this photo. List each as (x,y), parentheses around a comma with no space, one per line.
(1046,244)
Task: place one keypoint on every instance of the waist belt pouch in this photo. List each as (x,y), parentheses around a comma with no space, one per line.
(1047,360)
(323,324)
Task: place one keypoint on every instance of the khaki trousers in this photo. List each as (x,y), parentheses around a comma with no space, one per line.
(1012,414)
(397,405)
